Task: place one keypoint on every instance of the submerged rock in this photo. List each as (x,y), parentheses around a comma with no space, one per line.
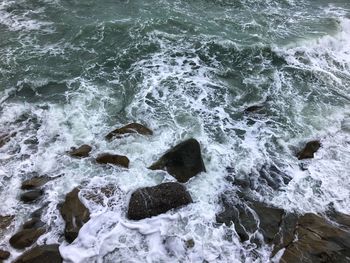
(183,161)
(241,214)
(31,196)
(41,254)
(80,152)
(5,138)
(36,182)
(26,237)
(152,201)
(254,108)
(129,129)
(74,213)
(318,240)
(4,254)
(309,150)
(107,158)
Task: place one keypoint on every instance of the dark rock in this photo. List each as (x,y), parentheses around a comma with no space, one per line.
(309,150)
(4,254)
(152,201)
(189,243)
(26,237)
(80,152)
(254,108)
(318,240)
(5,138)
(5,221)
(36,182)
(31,196)
(75,214)
(41,254)
(115,159)
(33,223)
(183,161)
(240,214)
(128,129)
(37,213)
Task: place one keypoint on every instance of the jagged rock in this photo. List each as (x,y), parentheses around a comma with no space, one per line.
(5,221)
(31,196)
(107,158)
(152,201)
(26,237)
(318,241)
(36,182)
(5,138)
(41,254)
(309,150)
(128,129)
(183,161)
(74,213)
(4,254)
(80,152)
(245,223)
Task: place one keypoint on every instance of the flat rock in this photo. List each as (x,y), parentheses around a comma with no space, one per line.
(254,108)
(107,158)
(4,254)
(183,161)
(31,195)
(74,213)
(152,201)
(80,152)
(129,129)
(308,151)
(26,237)
(319,240)
(41,254)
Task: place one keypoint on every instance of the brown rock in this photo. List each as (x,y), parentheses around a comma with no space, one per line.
(74,213)
(41,254)
(26,237)
(129,129)
(318,241)
(36,182)
(183,161)
(309,150)
(4,254)
(152,201)
(80,152)
(107,158)
(5,221)
(31,196)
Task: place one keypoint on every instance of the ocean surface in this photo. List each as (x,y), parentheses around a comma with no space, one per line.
(73,70)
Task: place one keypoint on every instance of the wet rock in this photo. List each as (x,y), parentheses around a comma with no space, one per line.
(36,182)
(5,138)
(33,223)
(183,161)
(4,254)
(26,237)
(309,150)
(107,158)
(98,195)
(241,214)
(254,108)
(318,241)
(152,201)
(41,254)
(31,196)
(74,213)
(189,243)
(80,152)
(5,221)
(129,129)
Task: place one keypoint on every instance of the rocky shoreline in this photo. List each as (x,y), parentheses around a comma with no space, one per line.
(293,237)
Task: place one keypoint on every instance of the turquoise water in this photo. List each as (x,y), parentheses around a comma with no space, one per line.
(71,71)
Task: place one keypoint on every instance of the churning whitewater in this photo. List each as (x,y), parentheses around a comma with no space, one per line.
(253,82)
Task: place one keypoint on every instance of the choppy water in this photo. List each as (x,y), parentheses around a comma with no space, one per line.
(71,71)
